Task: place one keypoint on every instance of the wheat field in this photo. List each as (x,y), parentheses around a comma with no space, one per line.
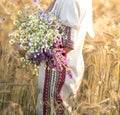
(99,93)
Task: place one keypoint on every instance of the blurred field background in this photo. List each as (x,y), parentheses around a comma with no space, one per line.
(99,93)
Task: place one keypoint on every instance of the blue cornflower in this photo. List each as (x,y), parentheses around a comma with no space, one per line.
(49,21)
(43,16)
(58,25)
(3,19)
(35,0)
(13,29)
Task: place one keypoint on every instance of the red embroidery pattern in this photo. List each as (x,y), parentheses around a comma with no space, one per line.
(56,79)
(67,41)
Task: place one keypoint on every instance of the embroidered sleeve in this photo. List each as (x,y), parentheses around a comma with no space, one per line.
(67,40)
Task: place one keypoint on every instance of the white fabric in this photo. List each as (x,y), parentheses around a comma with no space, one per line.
(78,15)
(41,79)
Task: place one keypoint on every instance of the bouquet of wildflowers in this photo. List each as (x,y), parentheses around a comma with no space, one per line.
(40,35)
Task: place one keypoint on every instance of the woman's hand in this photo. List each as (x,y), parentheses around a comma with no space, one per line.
(68,49)
(21,51)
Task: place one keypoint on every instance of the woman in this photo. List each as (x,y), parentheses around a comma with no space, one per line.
(57,88)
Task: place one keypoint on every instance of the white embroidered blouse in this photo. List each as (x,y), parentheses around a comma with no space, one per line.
(75,13)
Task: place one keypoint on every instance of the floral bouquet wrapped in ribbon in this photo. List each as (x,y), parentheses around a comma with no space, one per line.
(41,36)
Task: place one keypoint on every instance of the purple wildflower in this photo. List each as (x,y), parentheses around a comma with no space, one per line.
(31,56)
(42,55)
(70,73)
